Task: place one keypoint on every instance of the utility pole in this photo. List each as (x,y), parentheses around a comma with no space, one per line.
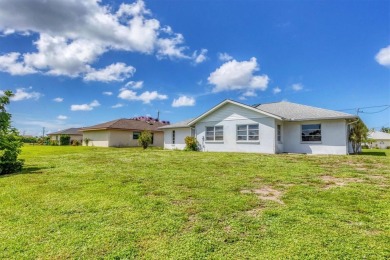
(158,115)
(43,132)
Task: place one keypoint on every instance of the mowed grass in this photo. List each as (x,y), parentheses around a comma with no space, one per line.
(87,202)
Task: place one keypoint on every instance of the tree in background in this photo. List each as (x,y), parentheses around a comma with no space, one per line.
(385,129)
(145,138)
(358,135)
(10,141)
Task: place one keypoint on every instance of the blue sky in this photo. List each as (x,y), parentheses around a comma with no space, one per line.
(79,63)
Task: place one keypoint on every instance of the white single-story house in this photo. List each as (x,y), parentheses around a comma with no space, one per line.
(123,132)
(74,133)
(379,140)
(281,127)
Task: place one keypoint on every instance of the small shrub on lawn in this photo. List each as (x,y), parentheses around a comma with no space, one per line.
(75,143)
(86,141)
(145,138)
(191,144)
(54,143)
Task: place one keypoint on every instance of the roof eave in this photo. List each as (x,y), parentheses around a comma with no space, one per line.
(319,118)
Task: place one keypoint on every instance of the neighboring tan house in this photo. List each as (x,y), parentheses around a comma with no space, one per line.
(124,132)
(379,140)
(280,127)
(74,133)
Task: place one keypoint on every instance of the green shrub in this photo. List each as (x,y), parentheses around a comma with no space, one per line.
(365,146)
(64,140)
(145,138)
(54,142)
(75,143)
(10,140)
(191,144)
(7,167)
(86,141)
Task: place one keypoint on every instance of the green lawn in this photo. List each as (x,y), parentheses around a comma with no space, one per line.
(86,202)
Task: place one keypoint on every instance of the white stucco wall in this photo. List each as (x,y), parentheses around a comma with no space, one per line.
(158,139)
(97,138)
(380,144)
(72,137)
(334,138)
(229,116)
(119,138)
(180,135)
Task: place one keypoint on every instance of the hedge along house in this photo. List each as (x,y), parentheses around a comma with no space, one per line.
(124,132)
(280,127)
(74,133)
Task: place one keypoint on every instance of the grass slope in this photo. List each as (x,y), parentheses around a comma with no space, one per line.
(86,202)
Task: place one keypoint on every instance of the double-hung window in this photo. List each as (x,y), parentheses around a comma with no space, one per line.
(173,136)
(248,132)
(311,133)
(214,133)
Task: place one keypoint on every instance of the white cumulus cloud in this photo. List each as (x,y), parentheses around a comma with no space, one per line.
(383,56)
(107,93)
(13,64)
(117,105)
(146,97)
(24,94)
(85,107)
(114,72)
(183,101)
(201,57)
(224,57)
(236,75)
(297,87)
(62,117)
(72,35)
(58,99)
(135,84)
(276,90)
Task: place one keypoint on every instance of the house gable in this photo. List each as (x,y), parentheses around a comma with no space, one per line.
(235,110)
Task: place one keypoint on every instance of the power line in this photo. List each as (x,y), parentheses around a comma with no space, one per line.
(358,108)
(375,111)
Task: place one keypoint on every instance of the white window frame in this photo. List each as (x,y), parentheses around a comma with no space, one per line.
(240,132)
(312,129)
(215,133)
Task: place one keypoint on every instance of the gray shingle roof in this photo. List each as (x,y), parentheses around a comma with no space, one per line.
(379,135)
(180,124)
(297,112)
(69,131)
(126,124)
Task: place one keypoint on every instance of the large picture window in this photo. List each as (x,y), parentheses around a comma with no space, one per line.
(214,133)
(248,132)
(311,133)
